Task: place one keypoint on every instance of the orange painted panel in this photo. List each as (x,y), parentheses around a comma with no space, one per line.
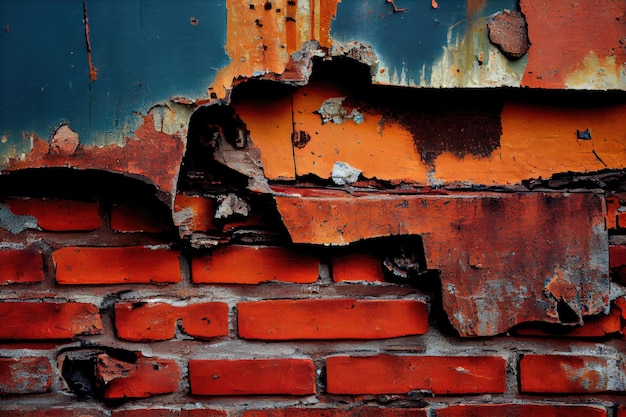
(380,148)
(575,44)
(270,125)
(540,141)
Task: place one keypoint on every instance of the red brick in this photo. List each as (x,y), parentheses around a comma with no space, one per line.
(145,378)
(253,265)
(521,410)
(130,218)
(252,377)
(203,412)
(194,213)
(43,320)
(122,265)
(149,412)
(569,374)
(169,412)
(58,215)
(25,375)
(21,266)
(594,327)
(439,374)
(358,267)
(617,256)
(148,321)
(331,319)
(73,411)
(337,412)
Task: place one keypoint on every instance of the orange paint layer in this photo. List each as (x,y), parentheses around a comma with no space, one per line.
(261,35)
(540,141)
(270,124)
(380,148)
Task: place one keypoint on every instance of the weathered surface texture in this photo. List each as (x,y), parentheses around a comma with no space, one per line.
(505,259)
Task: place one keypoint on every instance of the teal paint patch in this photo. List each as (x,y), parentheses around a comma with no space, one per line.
(411,41)
(145,52)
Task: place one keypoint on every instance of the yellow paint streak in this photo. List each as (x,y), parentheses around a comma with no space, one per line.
(541,141)
(381,149)
(593,75)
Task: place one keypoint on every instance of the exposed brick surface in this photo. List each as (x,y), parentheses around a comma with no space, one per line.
(45,320)
(58,215)
(149,412)
(569,374)
(439,374)
(123,265)
(169,412)
(521,235)
(521,410)
(331,319)
(337,412)
(147,321)
(253,265)
(73,411)
(144,378)
(357,267)
(25,375)
(252,377)
(21,266)
(194,213)
(130,218)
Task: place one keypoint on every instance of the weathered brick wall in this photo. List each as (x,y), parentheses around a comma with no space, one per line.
(427,253)
(105,311)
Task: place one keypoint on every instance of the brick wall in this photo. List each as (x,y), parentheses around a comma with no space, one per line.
(106,312)
(288,292)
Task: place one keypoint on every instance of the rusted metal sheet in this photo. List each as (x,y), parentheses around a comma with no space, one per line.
(505,259)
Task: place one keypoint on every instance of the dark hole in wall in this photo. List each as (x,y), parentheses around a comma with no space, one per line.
(209,126)
(79,369)
(104,187)
(403,261)
(79,375)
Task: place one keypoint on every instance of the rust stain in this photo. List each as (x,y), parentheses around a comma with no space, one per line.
(572,31)
(508,31)
(93,71)
(152,155)
(496,241)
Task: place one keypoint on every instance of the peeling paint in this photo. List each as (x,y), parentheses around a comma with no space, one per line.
(16,223)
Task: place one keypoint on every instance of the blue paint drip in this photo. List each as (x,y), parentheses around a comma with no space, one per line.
(414,39)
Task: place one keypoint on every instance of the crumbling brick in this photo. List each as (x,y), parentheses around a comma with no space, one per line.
(28,375)
(151,321)
(47,320)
